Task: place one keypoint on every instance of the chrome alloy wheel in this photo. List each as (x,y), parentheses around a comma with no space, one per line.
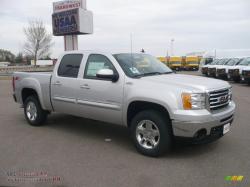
(31,111)
(147,134)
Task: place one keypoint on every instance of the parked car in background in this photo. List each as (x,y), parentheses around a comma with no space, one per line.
(222,71)
(212,68)
(235,72)
(204,68)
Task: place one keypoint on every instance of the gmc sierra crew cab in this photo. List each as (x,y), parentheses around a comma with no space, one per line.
(134,90)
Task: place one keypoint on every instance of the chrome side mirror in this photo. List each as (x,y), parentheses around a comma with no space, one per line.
(107,74)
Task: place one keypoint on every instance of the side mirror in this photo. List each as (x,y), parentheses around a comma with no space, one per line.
(107,74)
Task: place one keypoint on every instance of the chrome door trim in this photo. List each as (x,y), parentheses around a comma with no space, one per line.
(98,104)
(64,99)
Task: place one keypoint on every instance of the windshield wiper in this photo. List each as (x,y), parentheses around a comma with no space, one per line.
(147,74)
(167,72)
(151,73)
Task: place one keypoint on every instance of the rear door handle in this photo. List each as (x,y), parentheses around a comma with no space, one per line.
(57,83)
(85,86)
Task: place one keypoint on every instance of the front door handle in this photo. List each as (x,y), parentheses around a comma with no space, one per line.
(85,86)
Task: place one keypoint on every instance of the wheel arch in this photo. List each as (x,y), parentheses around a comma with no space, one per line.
(135,107)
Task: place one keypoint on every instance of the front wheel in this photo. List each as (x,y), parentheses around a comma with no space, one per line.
(33,111)
(151,133)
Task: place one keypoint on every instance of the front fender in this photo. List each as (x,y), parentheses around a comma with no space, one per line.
(168,101)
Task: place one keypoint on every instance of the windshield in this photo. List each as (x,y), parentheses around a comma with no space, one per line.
(214,62)
(233,61)
(245,62)
(222,62)
(137,65)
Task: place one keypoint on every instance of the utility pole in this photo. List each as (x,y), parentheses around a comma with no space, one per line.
(131,43)
(172,46)
(71,41)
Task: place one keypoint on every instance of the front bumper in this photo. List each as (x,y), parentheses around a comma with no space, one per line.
(188,123)
(216,133)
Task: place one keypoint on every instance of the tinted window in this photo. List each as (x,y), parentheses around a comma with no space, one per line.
(69,66)
(245,62)
(95,63)
(233,61)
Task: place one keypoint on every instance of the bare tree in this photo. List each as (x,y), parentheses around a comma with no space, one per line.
(38,40)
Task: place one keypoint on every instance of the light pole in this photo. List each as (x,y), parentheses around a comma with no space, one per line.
(172,47)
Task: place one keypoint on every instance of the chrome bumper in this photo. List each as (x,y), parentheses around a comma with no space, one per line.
(188,123)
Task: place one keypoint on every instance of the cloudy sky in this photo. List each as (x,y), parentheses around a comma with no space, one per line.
(196,25)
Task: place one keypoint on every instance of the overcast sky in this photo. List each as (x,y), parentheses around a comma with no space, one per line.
(196,25)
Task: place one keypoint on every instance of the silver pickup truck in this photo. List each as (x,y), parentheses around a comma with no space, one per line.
(134,90)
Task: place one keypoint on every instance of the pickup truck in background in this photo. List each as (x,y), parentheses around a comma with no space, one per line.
(222,71)
(204,67)
(134,90)
(212,69)
(235,72)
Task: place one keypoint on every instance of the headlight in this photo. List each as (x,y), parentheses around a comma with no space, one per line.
(194,101)
(230,95)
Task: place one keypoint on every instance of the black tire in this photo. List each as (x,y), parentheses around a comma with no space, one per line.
(164,126)
(41,114)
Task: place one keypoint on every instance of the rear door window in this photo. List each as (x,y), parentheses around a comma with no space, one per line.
(69,66)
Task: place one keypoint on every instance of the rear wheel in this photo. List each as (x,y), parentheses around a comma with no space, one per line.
(33,111)
(151,133)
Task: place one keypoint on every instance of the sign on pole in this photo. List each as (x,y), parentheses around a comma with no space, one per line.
(76,21)
(70,19)
(68,5)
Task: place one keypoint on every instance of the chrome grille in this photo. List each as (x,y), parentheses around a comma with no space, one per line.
(219,99)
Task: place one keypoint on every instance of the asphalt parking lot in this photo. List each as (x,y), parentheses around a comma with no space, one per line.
(88,153)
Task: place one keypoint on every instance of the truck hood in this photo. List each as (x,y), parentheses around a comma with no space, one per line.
(187,82)
(247,68)
(214,66)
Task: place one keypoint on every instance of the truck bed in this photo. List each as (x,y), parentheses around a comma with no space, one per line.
(39,81)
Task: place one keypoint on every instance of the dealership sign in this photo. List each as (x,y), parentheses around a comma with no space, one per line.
(67,5)
(75,21)
(66,22)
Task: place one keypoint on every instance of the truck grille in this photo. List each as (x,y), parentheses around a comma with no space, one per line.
(221,71)
(246,73)
(219,99)
(230,72)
